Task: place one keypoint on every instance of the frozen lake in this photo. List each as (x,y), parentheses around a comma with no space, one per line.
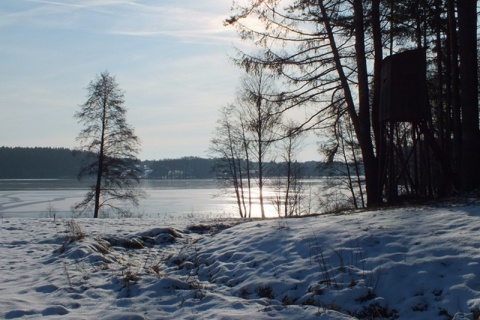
(32,198)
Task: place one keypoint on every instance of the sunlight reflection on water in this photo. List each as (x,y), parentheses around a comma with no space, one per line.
(32,198)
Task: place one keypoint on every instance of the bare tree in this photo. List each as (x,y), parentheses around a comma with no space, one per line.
(245,144)
(343,146)
(113,147)
(290,146)
(230,148)
(262,119)
(244,136)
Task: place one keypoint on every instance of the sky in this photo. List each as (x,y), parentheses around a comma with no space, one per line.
(170,57)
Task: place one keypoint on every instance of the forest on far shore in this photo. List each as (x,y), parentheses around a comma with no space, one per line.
(63,163)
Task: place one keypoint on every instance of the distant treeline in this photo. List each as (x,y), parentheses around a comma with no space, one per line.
(62,163)
(39,163)
(201,168)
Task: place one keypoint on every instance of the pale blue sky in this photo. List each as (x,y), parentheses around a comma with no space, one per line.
(170,57)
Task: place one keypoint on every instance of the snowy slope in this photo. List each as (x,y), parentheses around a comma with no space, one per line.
(416,263)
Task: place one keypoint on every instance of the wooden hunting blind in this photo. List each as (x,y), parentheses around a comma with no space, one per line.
(403,95)
(404,114)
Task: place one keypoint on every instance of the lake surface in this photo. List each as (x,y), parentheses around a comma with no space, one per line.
(165,198)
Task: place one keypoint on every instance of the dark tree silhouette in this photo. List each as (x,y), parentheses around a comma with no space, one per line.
(467,37)
(328,55)
(114,146)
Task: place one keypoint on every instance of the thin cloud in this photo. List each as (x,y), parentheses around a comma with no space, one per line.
(186,20)
(179,22)
(87,4)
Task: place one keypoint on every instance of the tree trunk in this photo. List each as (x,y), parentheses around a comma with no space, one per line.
(249,177)
(467,26)
(361,122)
(364,137)
(377,79)
(289,176)
(454,76)
(101,156)
(260,176)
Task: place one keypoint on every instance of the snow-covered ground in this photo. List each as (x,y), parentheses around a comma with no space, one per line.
(413,263)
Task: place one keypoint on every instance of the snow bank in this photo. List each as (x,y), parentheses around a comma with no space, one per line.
(407,264)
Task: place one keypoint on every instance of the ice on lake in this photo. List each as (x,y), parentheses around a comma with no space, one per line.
(34,198)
